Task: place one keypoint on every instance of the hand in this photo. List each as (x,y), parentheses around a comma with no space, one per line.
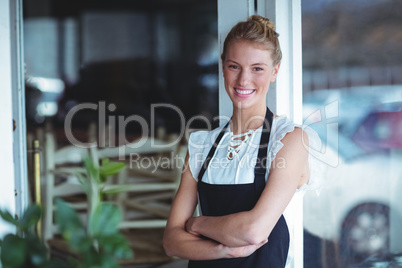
(245,251)
(189,224)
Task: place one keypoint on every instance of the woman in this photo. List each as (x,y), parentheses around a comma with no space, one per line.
(246,175)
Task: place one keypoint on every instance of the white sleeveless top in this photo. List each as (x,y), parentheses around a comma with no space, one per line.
(240,170)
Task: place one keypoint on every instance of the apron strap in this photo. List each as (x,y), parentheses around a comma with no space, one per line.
(211,153)
(261,165)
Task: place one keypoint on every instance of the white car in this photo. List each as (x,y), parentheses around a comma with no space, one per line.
(359,206)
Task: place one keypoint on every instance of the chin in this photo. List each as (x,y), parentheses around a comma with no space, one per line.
(243,104)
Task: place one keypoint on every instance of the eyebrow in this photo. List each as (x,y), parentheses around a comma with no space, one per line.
(258,63)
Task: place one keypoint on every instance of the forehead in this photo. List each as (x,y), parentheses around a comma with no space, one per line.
(248,51)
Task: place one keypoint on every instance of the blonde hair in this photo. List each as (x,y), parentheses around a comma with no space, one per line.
(256,29)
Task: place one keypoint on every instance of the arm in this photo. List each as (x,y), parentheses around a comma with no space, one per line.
(178,242)
(252,227)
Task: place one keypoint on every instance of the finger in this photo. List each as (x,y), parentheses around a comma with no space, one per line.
(262,243)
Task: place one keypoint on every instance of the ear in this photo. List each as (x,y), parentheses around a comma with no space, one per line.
(223,69)
(275,72)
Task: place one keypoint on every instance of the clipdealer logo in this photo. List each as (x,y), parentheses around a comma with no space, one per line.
(323,118)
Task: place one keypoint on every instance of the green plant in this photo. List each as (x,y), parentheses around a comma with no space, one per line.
(99,243)
(96,245)
(93,179)
(25,249)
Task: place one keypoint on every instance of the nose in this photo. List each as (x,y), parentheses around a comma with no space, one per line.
(243,78)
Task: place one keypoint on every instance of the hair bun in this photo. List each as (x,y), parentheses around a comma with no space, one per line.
(255,29)
(266,23)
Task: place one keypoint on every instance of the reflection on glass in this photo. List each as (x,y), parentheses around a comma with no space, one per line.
(94,71)
(128,54)
(352,62)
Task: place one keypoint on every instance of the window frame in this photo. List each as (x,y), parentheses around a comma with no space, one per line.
(13,194)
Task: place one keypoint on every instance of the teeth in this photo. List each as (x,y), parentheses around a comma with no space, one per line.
(245,92)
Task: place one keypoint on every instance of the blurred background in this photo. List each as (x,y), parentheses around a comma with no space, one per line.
(127,53)
(133,54)
(352,96)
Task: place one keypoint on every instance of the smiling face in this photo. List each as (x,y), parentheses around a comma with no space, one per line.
(248,70)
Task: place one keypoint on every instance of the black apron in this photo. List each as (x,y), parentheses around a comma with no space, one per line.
(224,199)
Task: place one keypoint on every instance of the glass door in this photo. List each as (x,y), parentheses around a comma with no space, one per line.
(353,98)
(111,72)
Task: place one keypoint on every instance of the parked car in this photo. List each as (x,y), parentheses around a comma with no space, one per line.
(358,206)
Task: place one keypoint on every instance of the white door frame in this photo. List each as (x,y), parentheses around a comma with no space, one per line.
(285,95)
(19,114)
(13,166)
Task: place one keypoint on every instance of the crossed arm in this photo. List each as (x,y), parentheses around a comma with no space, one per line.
(178,242)
(238,234)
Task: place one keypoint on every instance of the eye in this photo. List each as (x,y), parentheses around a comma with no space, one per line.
(233,67)
(257,69)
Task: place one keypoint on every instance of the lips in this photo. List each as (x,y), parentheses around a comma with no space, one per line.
(244,92)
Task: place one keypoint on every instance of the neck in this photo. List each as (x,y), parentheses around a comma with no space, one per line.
(244,120)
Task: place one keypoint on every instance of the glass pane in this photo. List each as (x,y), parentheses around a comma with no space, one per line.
(352,87)
(113,72)
(124,55)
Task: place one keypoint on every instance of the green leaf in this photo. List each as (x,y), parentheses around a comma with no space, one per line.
(116,189)
(13,251)
(85,183)
(72,262)
(81,242)
(108,262)
(30,217)
(116,245)
(90,258)
(111,168)
(66,217)
(69,224)
(105,161)
(58,263)
(93,172)
(105,261)
(8,217)
(36,250)
(105,219)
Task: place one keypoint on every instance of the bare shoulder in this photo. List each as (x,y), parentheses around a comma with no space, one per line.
(296,140)
(292,158)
